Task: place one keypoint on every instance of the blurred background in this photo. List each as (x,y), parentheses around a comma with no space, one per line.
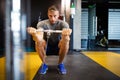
(94,22)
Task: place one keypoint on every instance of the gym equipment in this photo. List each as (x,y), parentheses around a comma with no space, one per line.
(50,31)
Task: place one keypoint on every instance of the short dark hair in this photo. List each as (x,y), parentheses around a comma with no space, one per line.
(53,8)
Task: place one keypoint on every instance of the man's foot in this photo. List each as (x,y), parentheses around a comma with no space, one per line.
(43,69)
(62,69)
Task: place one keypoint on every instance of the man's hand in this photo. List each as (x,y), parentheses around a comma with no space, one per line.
(37,35)
(31,30)
(66,31)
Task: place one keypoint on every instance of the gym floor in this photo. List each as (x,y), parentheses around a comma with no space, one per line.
(83,65)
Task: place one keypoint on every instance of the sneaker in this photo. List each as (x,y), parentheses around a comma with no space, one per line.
(43,69)
(62,69)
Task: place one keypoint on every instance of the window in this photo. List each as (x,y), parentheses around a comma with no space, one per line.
(114,24)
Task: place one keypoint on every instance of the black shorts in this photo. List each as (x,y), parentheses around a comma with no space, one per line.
(52,49)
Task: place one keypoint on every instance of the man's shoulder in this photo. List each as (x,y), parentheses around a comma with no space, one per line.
(62,22)
(44,21)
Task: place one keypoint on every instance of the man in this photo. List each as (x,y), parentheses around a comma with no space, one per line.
(55,39)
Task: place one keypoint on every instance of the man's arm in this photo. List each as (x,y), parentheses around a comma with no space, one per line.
(37,36)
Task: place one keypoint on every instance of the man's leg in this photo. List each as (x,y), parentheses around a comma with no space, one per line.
(64,47)
(40,45)
(40,48)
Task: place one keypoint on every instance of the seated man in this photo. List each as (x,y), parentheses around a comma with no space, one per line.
(61,40)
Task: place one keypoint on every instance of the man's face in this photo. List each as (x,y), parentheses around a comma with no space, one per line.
(53,16)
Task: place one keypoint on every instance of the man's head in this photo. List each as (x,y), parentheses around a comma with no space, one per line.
(53,14)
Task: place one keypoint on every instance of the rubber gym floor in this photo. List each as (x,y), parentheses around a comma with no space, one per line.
(83,65)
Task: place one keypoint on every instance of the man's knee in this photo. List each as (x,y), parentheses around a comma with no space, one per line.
(40,44)
(64,42)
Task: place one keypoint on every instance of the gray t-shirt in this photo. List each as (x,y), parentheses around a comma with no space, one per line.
(54,37)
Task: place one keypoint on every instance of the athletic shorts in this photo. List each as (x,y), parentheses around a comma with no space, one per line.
(52,49)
